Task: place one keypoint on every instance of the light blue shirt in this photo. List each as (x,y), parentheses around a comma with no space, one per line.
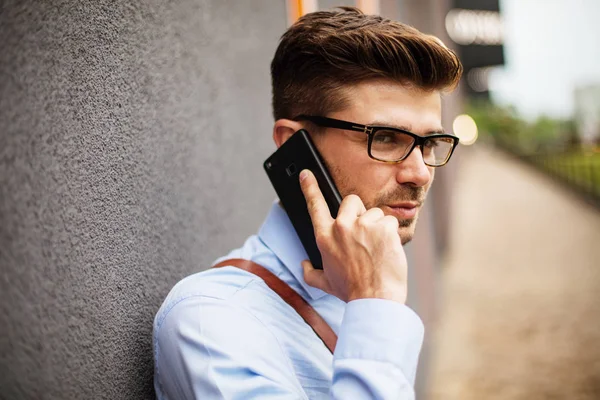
(223,334)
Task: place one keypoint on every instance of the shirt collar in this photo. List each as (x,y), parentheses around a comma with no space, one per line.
(278,234)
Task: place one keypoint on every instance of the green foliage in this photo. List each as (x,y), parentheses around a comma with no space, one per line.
(503,126)
(550,143)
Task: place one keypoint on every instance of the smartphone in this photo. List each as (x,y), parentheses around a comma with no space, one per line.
(283,168)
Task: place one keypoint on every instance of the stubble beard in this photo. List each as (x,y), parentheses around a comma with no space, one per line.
(406,227)
(402,193)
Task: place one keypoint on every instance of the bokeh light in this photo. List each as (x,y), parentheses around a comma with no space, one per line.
(465,128)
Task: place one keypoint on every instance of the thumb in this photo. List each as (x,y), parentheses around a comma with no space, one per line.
(315,277)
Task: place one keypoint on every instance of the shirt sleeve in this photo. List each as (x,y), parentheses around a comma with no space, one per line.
(201,352)
(377,351)
(206,348)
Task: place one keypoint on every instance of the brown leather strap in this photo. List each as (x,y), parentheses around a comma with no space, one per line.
(289,295)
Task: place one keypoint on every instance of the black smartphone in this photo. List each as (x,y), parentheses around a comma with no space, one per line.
(283,168)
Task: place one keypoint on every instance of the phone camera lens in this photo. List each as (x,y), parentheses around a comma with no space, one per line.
(291,169)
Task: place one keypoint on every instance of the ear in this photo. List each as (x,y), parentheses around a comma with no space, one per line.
(284,129)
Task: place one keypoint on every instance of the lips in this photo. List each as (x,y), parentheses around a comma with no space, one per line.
(405,209)
(405,204)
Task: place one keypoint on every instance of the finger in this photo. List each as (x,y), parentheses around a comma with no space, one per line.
(390,222)
(372,215)
(317,206)
(315,277)
(351,207)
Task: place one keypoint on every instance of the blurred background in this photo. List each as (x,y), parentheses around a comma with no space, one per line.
(131,143)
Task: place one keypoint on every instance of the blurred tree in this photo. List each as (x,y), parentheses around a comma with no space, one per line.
(507,129)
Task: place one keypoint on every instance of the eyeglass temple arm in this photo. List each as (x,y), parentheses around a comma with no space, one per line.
(332,123)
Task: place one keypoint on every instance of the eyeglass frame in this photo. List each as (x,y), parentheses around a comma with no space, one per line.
(370,130)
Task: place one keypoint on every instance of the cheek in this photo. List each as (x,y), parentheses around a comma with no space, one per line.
(354,172)
(432,173)
(350,167)
(373,177)
(366,179)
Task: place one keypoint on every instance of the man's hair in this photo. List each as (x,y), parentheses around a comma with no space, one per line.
(324,52)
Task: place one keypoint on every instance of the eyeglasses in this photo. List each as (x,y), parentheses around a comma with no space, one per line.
(393,145)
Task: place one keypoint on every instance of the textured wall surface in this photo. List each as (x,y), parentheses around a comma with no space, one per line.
(131,141)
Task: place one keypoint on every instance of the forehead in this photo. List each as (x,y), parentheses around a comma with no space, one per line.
(384,102)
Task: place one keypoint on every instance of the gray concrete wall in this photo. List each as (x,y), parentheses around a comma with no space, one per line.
(131,141)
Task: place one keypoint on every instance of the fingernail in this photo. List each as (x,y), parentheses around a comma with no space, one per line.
(303,175)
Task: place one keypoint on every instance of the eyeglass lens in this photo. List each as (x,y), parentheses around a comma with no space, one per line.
(394,146)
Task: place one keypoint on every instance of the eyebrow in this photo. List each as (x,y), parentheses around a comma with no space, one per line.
(404,127)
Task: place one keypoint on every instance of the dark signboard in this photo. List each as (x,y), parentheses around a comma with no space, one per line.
(476,27)
(477,56)
(487,5)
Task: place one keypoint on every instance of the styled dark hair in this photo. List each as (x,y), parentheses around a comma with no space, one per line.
(327,50)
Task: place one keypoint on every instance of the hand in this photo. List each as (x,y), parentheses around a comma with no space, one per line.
(361,249)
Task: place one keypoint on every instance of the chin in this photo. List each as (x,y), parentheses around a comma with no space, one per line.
(406,233)
(405,239)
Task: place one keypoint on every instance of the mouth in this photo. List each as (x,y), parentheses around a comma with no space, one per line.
(404,210)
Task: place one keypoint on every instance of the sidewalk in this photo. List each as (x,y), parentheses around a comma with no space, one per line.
(519,308)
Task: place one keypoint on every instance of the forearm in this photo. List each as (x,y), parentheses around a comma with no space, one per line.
(377,351)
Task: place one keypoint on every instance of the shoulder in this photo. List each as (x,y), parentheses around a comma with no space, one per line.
(224,315)
(205,287)
(213,305)
(224,298)
(227,307)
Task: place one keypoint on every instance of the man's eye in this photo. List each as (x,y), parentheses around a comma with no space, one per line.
(430,144)
(385,137)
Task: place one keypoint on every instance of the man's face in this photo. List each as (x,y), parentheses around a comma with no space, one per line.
(398,189)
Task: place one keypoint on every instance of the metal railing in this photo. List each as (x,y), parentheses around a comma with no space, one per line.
(577,170)
(574,169)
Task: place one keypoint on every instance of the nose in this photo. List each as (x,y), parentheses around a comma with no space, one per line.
(413,171)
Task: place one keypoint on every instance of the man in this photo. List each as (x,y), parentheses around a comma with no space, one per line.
(224,333)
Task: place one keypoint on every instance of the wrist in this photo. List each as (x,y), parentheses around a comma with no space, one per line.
(397,295)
